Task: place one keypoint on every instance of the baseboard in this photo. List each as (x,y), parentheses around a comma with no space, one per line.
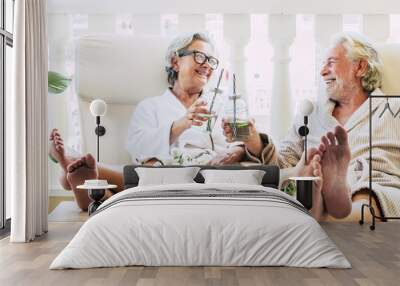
(60,193)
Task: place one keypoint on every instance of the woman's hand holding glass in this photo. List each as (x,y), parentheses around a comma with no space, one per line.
(253,142)
(196,115)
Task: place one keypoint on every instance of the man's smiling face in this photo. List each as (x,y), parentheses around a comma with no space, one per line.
(339,73)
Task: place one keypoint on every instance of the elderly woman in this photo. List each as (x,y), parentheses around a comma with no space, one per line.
(161,124)
(164,123)
(339,128)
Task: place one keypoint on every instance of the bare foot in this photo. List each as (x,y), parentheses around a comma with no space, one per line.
(317,210)
(306,170)
(335,161)
(79,171)
(57,153)
(313,169)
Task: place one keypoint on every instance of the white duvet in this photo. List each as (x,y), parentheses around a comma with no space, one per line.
(184,230)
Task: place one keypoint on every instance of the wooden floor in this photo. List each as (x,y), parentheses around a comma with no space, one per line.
(55,201)
(374,255)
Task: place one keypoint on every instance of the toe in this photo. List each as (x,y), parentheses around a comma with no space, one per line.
(314,165)
(74,165)
(331,138)
(90,161)
(311,153)
(317,158)
(341,135)
(53,132)
(60,148)
(322,147)
(325,141)
(71,168)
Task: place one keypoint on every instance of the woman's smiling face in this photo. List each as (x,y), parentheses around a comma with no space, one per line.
(192,75)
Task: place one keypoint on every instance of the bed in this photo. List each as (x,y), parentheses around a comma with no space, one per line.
(201,224)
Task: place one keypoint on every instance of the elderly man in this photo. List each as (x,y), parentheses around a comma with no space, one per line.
(352,71)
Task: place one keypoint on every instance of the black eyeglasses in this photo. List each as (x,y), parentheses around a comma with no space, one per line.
(200,58)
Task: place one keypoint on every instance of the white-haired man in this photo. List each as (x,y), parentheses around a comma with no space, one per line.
(352,71)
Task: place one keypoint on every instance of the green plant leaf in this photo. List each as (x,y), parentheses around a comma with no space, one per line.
(57,82)
(290,189)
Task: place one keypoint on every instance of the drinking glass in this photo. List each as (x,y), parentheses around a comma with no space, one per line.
(214,105)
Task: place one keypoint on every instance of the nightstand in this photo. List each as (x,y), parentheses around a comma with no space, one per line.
(96,191)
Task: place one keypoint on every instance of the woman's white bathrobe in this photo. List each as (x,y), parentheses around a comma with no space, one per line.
(385,147)
(149,133)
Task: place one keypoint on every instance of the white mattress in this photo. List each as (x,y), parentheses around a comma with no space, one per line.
(184,230)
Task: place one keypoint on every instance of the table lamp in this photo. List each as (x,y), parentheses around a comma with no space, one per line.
(97,188)
(98,108)
(306,108)
(304,185)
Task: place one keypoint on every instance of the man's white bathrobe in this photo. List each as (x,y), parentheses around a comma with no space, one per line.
(385,147)
(149,133)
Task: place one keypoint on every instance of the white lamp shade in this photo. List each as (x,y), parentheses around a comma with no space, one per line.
(98,107)
(306,107)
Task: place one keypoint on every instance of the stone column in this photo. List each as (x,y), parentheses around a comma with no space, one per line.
(146,25)
(101,23)
(326,26)
(282,31)
(60,51)
(60,39)
(191,23)
(237,32)
(377,27)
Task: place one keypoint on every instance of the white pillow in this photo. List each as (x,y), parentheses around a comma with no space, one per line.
(248,177)
(166,176)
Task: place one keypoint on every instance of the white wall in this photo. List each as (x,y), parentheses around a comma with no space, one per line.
(226,6)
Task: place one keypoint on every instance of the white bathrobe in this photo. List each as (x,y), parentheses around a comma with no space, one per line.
(149,133)
(385,147)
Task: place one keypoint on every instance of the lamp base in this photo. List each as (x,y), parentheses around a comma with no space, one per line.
(96,195)
(304,190)
(100,130)
(304,131)
(93,207)
(304,193)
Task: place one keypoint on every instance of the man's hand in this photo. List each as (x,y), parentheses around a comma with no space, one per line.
(232,156)
(253,142)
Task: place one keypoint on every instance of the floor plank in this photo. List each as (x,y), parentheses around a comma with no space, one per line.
(375,257)
(55,201)
(67,211)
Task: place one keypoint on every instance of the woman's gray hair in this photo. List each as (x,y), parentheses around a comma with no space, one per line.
(178,44)
(359,47)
